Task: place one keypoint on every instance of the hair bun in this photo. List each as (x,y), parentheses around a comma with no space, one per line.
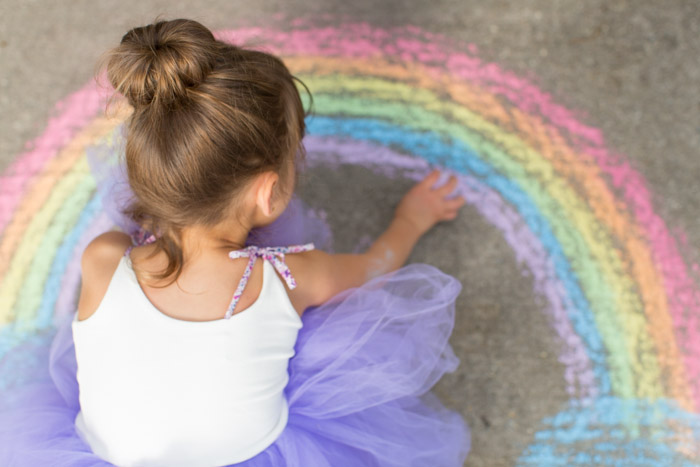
(155,64)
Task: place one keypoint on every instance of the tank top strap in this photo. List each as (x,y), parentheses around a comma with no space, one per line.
(275,255)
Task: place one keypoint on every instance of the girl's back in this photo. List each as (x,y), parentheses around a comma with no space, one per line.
(204,289)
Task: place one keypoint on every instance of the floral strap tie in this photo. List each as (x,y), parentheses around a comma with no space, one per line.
(274,255)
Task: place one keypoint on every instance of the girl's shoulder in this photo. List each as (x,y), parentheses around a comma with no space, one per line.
(316,276)
(301,267)
(98,263)
(321,276)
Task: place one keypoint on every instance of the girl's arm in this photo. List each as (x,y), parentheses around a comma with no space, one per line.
(321,275)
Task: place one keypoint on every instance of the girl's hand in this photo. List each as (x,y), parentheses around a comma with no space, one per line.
(420,209)
(424,206)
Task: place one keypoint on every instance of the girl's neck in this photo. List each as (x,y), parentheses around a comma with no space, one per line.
(199,241)
(230,234)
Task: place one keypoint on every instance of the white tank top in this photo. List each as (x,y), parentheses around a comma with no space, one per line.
(156,390)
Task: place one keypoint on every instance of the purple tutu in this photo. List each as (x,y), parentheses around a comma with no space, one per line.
(358,387)
(358,390)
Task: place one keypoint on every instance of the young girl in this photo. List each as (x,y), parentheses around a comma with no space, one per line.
(184,349)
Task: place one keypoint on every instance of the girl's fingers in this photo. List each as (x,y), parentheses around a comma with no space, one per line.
(454,203)
(431,178)
(448,187)
(450,215)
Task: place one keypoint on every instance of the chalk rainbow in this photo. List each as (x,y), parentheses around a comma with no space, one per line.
(622,301)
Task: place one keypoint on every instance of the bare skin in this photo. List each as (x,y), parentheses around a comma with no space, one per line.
(204,289)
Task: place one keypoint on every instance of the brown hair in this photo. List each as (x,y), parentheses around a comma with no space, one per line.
(208,116)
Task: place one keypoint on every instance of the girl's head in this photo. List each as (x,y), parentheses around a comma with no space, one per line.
(211,122)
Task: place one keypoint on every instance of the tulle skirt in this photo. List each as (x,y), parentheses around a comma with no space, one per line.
(359,383)
(358,390)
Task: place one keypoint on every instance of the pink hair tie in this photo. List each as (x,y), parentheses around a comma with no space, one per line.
(140,237)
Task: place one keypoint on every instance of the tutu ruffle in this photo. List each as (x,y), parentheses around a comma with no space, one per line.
(358,387)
